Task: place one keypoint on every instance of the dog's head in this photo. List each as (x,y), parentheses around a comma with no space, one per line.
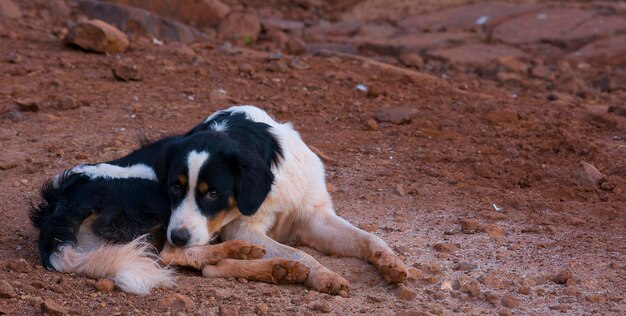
(210,180)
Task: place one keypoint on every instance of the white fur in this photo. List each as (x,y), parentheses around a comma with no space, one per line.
(187,213)
(219,126)
(132,267)
(105,170)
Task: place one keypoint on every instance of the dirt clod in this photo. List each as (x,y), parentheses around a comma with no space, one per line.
(50,307)
(175,301)
(509,300)
(228,310)
(261,309)
(445,247)
(104,285)
(126,71)
(323,307)
(19,266)
(468,225)
(28,105)
(405,293)
(562,277)
(6,290)
(396,115)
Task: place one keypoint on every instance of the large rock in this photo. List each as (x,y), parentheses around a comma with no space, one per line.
(467,17)
(140,22)
(546,25)
(599,26)
(202,13)
(476,54)
(410,42)
(610,51)
(242,27)
(97,36)
(9,10)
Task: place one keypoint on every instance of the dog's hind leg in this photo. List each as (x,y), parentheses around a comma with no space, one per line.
(331,234)
(199,256)
(270,270)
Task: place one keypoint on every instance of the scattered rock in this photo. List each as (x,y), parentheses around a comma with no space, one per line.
(401,190)
(14,58)
(371,125)
(468,225)
(9,10)
(562,277)
(66,102)
(19,266)
(445,247)
(97,36)
(525,290)
(104,285)
(465,266)
(228,310)
(297,63)
(7,309)
(509,300)
(175,301)
(511,63)
(6,290)
(125,71)
(494,231)
(279,66)
(405,293)
(471,287)
(58,8)
(49,307)
(245,68)
(411,60)
(543,72)
(617,110)
(28,105)
(323,307)
(396,115)
(590,176)
(295,46)
(241,27)
(261,309)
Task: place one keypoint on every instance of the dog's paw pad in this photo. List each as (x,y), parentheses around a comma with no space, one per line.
(290,271)
(247,251)
(329,282)
(395,271)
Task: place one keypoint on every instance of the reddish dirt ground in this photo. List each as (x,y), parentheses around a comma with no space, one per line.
(548,241)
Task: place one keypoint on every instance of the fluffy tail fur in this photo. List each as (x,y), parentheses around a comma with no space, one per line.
(133,266)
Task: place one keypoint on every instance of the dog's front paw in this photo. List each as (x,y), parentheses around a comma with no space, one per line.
(289,271)
(392,268)
(239,249)
(326,281)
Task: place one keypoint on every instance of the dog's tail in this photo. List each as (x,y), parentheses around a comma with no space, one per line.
(133,266)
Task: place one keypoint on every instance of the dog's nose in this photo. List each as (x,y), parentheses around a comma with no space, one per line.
(180,236)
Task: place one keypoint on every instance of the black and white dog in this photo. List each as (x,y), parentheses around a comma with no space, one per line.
(239,175)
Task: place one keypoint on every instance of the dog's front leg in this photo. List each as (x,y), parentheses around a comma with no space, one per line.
(199,256)
(319,278)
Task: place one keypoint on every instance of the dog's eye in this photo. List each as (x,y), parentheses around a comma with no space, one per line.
(211,196)
(176,188)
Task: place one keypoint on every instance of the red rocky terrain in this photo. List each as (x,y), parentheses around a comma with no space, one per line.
(484,141)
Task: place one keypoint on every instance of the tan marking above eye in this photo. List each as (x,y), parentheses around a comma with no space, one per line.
(203,187)
(182,179)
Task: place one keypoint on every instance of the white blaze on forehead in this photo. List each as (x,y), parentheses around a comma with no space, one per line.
(187,213)
(108,171)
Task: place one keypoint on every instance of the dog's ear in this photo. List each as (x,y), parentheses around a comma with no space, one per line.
(253,183)
(162,165)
